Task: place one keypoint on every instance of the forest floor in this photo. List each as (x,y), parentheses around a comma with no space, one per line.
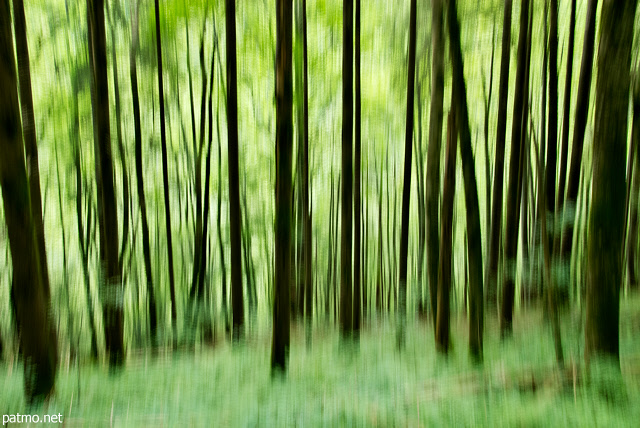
(371,385)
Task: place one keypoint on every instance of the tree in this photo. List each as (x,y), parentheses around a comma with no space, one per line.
(513,200)
(474,238)
(110,270)
(346,309)
(234,184)
(604,248)
(357,196)
(433,152)
(406,186)
(552,130)
(306,191)
(498,174)
(632,244)
(31,299)
(284,142)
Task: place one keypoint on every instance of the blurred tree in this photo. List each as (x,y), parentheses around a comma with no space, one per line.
(284,142)
(357,196)
(632,244)
(112,294)
(30,298)
(552,129)
(604,253)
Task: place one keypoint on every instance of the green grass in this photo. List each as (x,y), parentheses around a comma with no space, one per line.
(373,385)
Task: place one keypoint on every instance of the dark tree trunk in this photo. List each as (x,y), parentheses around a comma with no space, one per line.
(146,248)
(513,201)
(582,110)
(284,142)
(446,236)
(474,237)
(234,185)
(165,173)
(406,186)
(29,135)
(498,174)
(552,130)
(604,248)
(346,302)
(30,298)
(422,222)
(110,270)
(564,142)
(433,152)
(357,199)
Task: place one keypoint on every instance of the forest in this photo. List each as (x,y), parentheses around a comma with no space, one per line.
(320,213)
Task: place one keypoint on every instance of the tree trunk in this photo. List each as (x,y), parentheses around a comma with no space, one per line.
(32,307)
(357,198)
(165,173)
(284,142)
(552,130)
(29,135)
(346,303)
(234,185)
(604,271)
(433,152)
(112,292)
(632,244)
(498,174)
(513,201)
(307,193)
(446,235)
(474,237)
(406,186)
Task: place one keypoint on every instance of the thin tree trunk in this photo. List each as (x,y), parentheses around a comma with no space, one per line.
(357,198)
(234,185)
(307,193)
(406,186)
(346,302)
(284,142)
(474,237)
(498,174)
(380,282)
(433,152)
(606,221)
(446,236)
(552,130)
(632,244)
(165,174)
(511,241)
(32,308)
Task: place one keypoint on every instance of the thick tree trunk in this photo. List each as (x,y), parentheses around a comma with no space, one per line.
(406,186)
(513,200)
(32,307)
(604,248)
(165,173)
(433,152)
(112,292)
(446,235)
(474,237)
(29,135)
(146,248)
(346,302)
(498,174)
(632,243)
(284,142)
(234,185)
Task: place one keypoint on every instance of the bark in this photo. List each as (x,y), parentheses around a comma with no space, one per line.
(357,198)
(552,130)
(498,174)
(579,128)
(284,143)
(346,302)
(165,172)
(30,298)
(234,185)
(632,244)
(433,152)
(29,135)
(474,237)
(564,142)
(606,222)
(446,236)
(513,200)
(111,288)
(406,186)
(146,248)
